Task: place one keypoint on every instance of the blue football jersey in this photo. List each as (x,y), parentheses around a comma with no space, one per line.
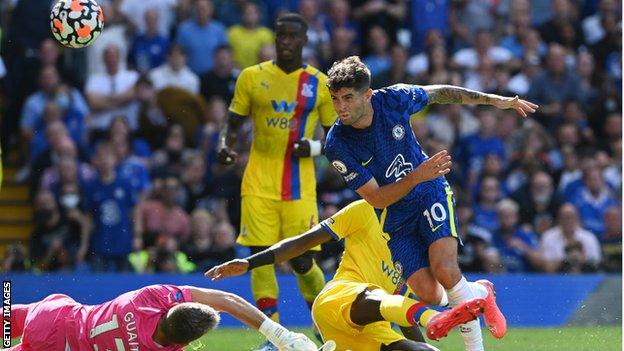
(386,151)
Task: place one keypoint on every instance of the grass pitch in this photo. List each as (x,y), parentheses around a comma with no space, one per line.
(519,339)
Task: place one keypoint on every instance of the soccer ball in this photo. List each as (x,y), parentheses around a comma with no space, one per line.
(76,23)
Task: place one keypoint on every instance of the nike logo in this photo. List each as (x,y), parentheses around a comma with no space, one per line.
(365,163)
(433,230)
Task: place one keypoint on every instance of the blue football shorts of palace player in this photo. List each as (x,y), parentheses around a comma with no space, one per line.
(424,220)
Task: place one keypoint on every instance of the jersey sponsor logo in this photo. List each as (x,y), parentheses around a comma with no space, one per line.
(398,132)
(285,106)
(365,163)
(306,90)
(339,166)
(282,123)
(391,272)
(399,168)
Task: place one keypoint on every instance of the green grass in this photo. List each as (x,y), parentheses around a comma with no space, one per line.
(555,339)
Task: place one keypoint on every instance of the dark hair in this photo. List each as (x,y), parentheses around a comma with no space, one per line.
(293,18)
(188,321)
(349,73)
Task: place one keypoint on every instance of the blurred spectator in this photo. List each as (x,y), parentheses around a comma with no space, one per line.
(396,73)
(135,10)
(199,247)
(170,159)
(152,120)
(110,201)
(378,43)
(520,28)
(208,135)
(230,12)
(477,254)
(73,120)
(164,257)
(162,215)
(592,199)
(563,21)
(220,81)
(342,45)
(560,245)
(111,94)
(175,72)
(247,38)
(453,122)
(318,45)
(113,34)
(195,188)
(386,14)
(437,68)
(485,209)
(339,17)
(59,240)
(520,83)
(15,259)
(150,47)
(427,16)
(200,37)
(518,247)
(592,25)
(420,62)
(130,167)
(483,47)
(223,241)
(551,88)
(538,202)
(68,170)
(72,106)
(472,149)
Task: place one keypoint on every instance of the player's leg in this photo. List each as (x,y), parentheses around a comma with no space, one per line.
(445,268)
(376,305)
(428,289)
(18,318)
(298,216)
(264,287)
(260,229)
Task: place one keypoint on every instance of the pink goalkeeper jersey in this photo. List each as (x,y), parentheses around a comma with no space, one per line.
(126,323)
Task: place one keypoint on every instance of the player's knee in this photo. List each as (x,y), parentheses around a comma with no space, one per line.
(303,263)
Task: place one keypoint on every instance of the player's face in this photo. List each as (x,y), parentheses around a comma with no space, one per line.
(350,104)
(289,40)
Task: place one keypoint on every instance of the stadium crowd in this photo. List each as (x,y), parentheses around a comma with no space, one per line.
(118,140)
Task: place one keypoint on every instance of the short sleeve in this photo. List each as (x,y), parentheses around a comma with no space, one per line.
(348,220)
(351,170)
(325,106)
(405,98)
(241,102)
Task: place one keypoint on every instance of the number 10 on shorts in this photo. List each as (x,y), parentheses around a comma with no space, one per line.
(436,213)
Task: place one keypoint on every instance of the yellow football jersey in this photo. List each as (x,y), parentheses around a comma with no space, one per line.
(285,107)
(366,256)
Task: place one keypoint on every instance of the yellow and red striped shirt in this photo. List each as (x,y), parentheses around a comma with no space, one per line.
(285,107)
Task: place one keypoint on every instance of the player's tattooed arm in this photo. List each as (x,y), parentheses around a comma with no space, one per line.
(450,94)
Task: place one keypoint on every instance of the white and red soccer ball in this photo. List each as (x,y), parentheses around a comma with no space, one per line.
(76,23)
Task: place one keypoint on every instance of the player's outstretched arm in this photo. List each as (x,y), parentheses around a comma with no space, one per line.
(381,197)
(280,252)
(450,94)
(253,317)
(227,139)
